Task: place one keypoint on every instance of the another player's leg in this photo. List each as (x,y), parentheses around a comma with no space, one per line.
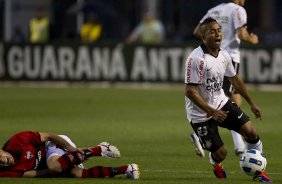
(131,171)
(239,143)
(198,147)
(236,98)
(253,142)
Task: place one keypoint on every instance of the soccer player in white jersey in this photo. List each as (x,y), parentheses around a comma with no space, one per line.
(208,107)
(233,20)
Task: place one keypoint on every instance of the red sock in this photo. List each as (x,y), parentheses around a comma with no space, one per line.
(70,159)
(103,172)
(122,169)
(96,151)
(98,172)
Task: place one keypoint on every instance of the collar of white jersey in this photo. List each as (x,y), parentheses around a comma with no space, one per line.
(205,49)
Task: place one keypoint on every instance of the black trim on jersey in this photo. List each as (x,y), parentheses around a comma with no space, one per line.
(193,84)
(205,49)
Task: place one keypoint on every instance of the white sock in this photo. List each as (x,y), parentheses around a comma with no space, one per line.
(257,146)
(212,160)
(239,143)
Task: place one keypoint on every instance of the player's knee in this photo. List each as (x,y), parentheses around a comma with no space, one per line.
(252,136)
(249,132)
(76,172)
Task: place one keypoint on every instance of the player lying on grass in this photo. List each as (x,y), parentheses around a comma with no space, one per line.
(39,154)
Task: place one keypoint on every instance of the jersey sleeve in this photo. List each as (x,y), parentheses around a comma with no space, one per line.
(22,139)
(33,138)
(28,137)
(194,70)
(239,17)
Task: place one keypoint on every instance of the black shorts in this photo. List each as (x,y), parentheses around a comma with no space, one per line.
(208,131)
(227,87)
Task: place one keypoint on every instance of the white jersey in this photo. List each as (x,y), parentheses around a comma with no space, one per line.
(208,72)
(231,17)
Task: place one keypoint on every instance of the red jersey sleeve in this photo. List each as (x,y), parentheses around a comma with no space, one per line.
(30,137)
(24,138)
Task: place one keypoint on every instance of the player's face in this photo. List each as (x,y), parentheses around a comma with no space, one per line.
(6,159)
(212,35)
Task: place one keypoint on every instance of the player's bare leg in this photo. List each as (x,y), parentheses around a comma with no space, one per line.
(239,143)
(250,134)
(237,99)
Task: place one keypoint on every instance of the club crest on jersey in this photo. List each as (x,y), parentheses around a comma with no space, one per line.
(29,155)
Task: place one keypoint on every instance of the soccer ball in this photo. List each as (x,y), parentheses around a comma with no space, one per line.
(253,162)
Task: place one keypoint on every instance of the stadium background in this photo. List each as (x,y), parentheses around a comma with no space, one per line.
(120,16)
(261,64)
(131,108)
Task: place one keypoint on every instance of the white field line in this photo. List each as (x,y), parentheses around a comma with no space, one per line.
(125,85)
(195,171)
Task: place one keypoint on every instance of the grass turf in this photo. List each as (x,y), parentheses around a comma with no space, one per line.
(149,127)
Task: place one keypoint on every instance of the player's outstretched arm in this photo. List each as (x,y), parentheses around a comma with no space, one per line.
(241,88)
(36,173)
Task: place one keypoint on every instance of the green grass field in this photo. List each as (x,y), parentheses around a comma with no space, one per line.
(148,126)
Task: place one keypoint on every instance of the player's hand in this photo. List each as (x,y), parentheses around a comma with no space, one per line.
(254,38)
(256,110)
(219,115)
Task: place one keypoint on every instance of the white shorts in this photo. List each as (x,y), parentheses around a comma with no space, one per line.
(53,150)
